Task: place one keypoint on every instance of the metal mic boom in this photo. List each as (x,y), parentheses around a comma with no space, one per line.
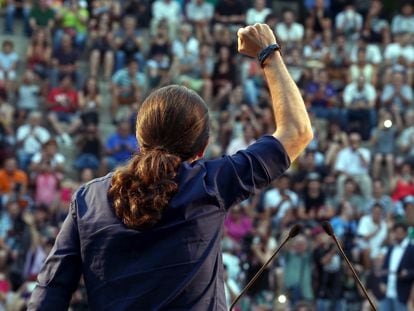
(292,233)
(329,230)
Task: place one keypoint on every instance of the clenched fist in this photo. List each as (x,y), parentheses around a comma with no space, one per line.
(253,39)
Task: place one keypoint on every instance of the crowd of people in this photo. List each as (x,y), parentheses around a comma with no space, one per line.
(87,67)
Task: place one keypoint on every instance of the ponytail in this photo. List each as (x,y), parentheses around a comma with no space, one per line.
(172,126)
(141,190)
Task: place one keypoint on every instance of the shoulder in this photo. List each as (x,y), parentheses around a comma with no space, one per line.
(92,191)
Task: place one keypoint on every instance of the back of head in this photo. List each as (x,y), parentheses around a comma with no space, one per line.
(172,127)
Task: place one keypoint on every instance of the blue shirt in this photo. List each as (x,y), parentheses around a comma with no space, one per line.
(177,264)
(124,143)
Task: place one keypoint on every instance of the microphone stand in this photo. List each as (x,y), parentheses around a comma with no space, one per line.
(292,233)
(329,230)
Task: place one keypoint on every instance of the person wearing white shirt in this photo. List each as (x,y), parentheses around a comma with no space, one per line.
(372,232)
(399,263)
(359,101)
(186,46)
(258,13)
(373,52)
(169,10)
(199,13)
(404,22)
(30,137)
(397,93)
(288,31)
(280,200)
(354,161)
(349,22)
(240,143)
(401,48)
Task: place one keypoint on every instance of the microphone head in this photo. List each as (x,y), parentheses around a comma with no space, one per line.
(327,227)
(296,229)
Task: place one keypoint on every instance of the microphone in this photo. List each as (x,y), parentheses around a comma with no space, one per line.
(294,231)
(329,230)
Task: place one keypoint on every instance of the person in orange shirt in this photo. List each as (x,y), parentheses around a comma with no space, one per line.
(12,179)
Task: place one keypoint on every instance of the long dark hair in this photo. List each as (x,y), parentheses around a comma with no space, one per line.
(172,126)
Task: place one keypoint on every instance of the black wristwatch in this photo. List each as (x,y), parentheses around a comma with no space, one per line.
(266,52)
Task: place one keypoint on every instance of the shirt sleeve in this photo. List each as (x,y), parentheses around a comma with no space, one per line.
(61,272)
(234,178)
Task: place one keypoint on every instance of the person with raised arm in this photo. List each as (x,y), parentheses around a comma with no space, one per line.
(147,236)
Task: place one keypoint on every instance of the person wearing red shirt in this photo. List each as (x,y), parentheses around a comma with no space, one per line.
(62,104)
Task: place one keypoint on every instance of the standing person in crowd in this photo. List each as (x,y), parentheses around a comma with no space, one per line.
(166,186)
(399,264)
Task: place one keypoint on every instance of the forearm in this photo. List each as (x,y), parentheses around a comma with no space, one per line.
(293,126)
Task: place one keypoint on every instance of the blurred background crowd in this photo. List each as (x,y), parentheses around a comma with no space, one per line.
(73,74)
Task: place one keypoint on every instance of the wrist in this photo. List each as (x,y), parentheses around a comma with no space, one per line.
(272,60)
(267,53)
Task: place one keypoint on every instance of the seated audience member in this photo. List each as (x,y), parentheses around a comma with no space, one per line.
(199,14)
(28,94)
(359,101)
(238,225)
(373,52)
(63,104)
(372,231)
(127,90)
(280,202)
(404,21)
(13,181)
(127,42)
(289,32)
(240,143)
(102,48)
(65,62)
(405,141)
(400,52)
(323,99)
(42,16)
(380,195)
(383,142)
(48,159)
(223,75)
(196,73)
(397,93)
(39,53)
(376,28)
(169,11)
(90,102)
(318,20)
(160,58)
(120,146)
(354,161)
(230,12)
(402,184)
(73,21)
(90,149)
(314,205)
(349,22)
(337,61)
(257,13)
(8,65)
(29,138)
(12,7)
(362,68)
